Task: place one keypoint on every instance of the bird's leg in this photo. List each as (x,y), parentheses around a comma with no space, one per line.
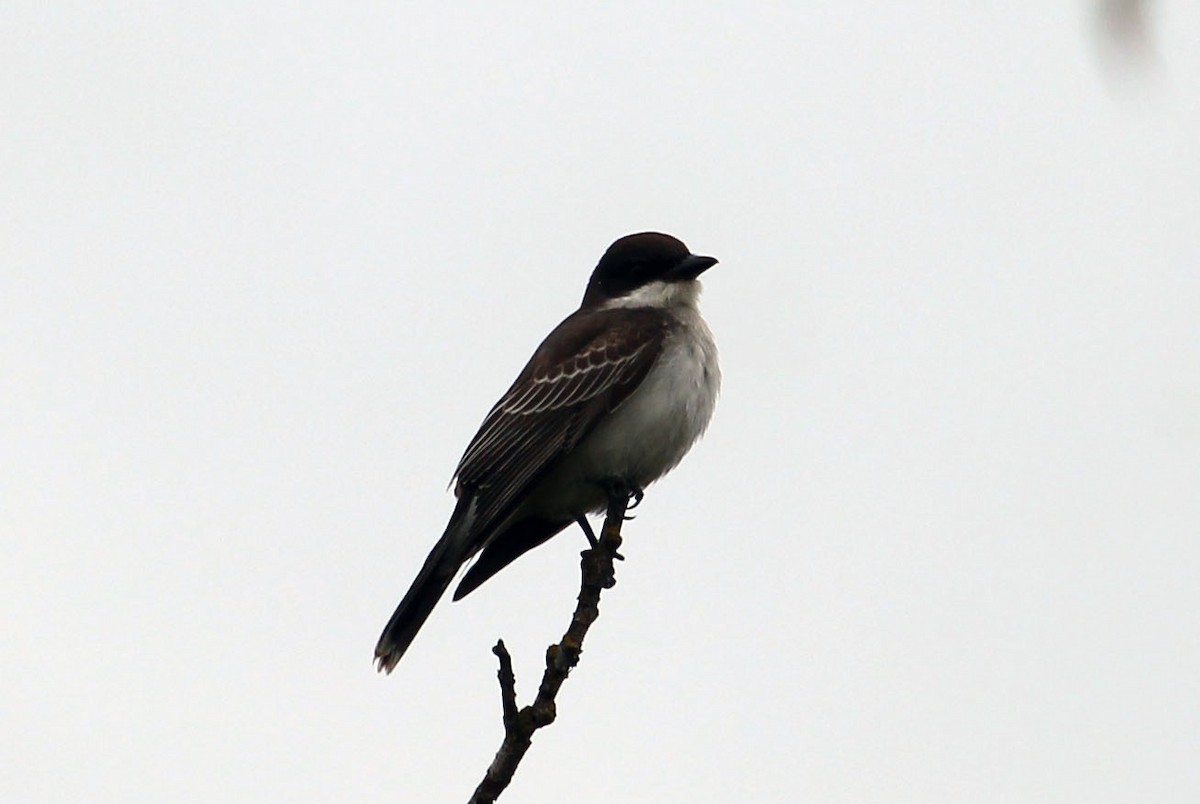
(591,535)
(587,531)
(620,492)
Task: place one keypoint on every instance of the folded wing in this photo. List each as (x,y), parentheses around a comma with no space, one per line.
(583,370)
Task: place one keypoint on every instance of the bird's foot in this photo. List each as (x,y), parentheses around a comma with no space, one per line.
(623,495)
(586,527)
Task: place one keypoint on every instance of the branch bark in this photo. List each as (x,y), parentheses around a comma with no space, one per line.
(519,725)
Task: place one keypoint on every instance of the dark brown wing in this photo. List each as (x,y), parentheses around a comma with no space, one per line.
(583,370)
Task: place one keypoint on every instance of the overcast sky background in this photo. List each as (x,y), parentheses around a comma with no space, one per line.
(940,543)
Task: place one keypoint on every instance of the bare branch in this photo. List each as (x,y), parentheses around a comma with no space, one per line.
(519,726)
(508,685)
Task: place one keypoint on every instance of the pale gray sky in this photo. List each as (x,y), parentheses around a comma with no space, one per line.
(940,544)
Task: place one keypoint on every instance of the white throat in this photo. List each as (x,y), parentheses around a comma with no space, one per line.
(660,294)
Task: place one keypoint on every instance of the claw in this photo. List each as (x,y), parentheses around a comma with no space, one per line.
(621,490)
(636,494)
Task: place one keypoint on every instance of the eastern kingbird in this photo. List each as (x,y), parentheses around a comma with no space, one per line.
(618,392)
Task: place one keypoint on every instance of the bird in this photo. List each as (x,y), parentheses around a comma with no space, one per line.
(614,396)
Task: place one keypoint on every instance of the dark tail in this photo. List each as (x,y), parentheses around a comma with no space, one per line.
(431,583)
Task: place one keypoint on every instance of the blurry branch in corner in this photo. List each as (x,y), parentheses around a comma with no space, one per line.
(1123,36)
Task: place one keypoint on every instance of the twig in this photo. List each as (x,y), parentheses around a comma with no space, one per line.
(508,686)
(519,726)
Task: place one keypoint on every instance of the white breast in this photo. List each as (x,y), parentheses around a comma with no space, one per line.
(653,429)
